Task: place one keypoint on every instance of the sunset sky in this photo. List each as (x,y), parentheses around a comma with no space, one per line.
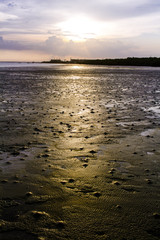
(35,30)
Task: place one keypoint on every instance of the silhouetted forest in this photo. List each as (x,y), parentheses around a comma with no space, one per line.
(130,61)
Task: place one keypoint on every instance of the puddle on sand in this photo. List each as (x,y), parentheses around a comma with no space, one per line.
(8,162)
(121,166)
(150,153)
(155,109)
(148,132)
(132,123)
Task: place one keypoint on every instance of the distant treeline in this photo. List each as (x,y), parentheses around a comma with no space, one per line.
(130,61)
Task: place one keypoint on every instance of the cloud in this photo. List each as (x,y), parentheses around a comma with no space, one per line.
(6,17)
(45,14)
(58,47)
(62,48)
(44,17)
(29,16)
(91,48)
(126,24)
(102,9)
(117,10)
(12,45)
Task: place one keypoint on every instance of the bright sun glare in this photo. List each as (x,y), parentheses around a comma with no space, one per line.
(80,28)
(76,67)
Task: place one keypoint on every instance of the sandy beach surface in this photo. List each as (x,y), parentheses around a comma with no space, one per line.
(79,153)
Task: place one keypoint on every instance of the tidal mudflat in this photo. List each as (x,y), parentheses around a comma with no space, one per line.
(79,152)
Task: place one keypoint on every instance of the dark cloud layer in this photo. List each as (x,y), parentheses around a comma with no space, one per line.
(92,48)
(12,45)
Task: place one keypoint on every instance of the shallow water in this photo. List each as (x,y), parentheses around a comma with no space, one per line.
(84,140)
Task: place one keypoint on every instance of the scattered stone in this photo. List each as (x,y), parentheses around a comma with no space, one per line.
(39,214)
(2,223)
(4,181)
(149,181)
(37,129)
(15,153)
(85,165)
(37,199)
(71,180)
(45,155)
(92,151)
(16,181)
(63,182)
(97,194)
(8,163)
(156,215)
(116,183)
(118,207)
(47,150)
(28,194)
(23,148)
(41,238)
(60,224)
(112,170)
(60,131)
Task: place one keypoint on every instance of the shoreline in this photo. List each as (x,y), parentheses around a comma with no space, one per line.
(130,61)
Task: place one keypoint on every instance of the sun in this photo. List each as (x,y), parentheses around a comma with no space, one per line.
(79,28)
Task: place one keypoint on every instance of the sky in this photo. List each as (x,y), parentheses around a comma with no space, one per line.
(37,30)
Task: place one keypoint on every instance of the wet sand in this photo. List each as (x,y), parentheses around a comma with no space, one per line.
(79,153)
